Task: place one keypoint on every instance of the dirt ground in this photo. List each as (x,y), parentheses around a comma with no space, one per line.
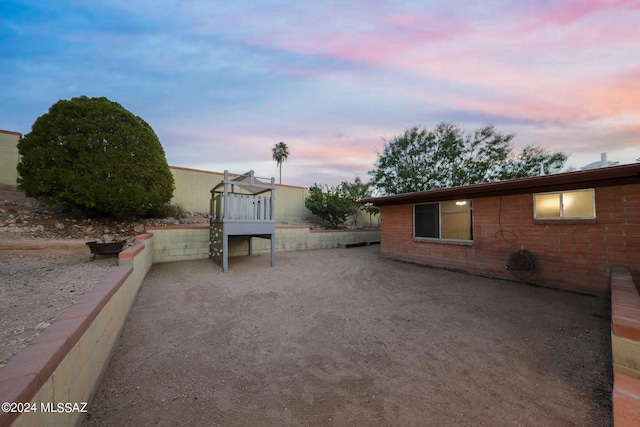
(39,280)
(341,337)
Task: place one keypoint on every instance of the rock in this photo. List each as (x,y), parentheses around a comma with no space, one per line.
(43,325)
(59,226)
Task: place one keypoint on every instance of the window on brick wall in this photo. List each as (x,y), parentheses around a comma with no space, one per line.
(451,220)
(578,204)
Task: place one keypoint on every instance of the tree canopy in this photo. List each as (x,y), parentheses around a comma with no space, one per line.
(423,159)
(94,155)
(355,191)
(329,204)
(335,204)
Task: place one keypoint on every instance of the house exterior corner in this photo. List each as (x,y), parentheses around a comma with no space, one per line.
(570,253)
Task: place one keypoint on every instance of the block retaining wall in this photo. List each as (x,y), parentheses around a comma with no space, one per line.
(181,243)
(625,348)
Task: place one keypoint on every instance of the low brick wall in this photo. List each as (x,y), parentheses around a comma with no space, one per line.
(625,346)
(181,243)
(65,363)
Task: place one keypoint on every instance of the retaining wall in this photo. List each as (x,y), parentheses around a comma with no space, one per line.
(181,243)
(625,348)
(293,238)
(65,363)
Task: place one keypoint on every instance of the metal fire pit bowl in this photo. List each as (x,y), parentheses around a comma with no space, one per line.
(112,248)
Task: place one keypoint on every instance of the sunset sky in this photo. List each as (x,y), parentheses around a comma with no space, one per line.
(221,82)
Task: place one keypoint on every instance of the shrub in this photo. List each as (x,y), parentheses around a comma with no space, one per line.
(329,204)
(175,210)
(94,155)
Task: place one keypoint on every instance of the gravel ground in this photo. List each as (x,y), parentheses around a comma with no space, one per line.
(35,289)
(341,337)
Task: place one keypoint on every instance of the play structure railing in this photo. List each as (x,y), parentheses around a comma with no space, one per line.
(243,207)
(243,198)
(240,207)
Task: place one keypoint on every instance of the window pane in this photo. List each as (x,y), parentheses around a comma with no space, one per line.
(577,204)
(427,220)
(456,225)
(547,205)
(455,205)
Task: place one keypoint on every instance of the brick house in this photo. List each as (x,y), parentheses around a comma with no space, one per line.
(573,225)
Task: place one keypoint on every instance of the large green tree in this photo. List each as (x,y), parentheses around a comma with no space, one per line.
(94,155)
(446,156)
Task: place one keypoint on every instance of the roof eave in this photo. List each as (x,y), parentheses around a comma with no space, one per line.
(603,177)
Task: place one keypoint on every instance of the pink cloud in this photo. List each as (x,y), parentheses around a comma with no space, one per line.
(568,12)
(617,96)
(557,63)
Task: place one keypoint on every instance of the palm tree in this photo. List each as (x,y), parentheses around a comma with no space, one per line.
(280,154)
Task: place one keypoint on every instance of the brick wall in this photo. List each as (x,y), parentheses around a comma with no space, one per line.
(571,254)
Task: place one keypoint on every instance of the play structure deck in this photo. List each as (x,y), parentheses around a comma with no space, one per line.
(242,207)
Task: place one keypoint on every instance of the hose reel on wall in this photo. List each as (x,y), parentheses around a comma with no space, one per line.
(522,264)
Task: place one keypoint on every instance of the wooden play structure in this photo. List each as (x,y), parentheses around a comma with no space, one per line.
(241,208)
